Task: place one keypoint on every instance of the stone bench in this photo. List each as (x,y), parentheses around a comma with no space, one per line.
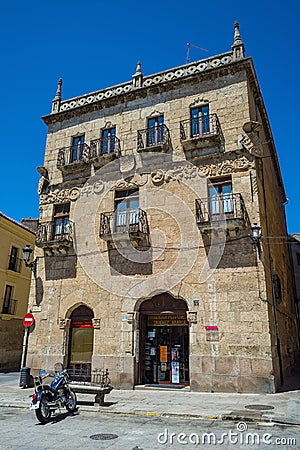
(92,389)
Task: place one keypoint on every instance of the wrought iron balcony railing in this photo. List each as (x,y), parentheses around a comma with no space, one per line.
(156,138)
(115,224)
(14,264)
(73,155)
(109,145)
(202,131)
(228,208)
(54,233)
(10,308)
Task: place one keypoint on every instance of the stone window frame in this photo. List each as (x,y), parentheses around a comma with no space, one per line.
(63,215)
(10,299)
(109,126)
(74,147)
(13,260)
(118,198)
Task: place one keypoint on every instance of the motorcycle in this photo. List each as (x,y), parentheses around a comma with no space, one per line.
(48,398)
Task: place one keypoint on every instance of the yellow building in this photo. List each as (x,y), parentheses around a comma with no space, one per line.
(14,289)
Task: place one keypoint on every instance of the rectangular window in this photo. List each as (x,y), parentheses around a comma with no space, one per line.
(77,148)
(108,140)
(155,131)
(126,209)
(199,121)
(220,198)
(8,302)
(61,220)
(13,259)
(298,258)
(277,288)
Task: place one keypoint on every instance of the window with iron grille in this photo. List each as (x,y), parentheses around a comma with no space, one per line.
(220,197)
(155,131)
(199,120)
(108,140)
(61,220)
(77,148)
(126,209)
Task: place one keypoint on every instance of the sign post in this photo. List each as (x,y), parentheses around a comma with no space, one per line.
(28,320)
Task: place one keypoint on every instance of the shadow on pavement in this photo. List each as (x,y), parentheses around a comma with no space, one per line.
(59,417)
(292,383)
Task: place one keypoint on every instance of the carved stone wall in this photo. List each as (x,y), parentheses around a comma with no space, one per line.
(233,295)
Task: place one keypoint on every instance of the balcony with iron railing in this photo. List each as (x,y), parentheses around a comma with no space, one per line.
(55,235)
(73,157)
(122,225)
(104,149)
(201,136)
(154,139)
(10,307)
(14,264)
(230,209)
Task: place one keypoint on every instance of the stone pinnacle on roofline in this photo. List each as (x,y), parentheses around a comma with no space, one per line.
(238,47)
(137,77)
(57,99)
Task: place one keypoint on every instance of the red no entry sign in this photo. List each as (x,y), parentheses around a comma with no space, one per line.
(28,320)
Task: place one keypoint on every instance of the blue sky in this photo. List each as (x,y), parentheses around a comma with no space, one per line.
(94,44)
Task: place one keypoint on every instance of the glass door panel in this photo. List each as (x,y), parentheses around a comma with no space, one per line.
(166,355)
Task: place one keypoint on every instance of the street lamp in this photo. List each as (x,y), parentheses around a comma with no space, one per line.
(26,257)
(256,237)
(255,230)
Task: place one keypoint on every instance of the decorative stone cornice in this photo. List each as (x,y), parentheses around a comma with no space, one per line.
(72,194)
(60,196)
(137,180)
(207,169)
(180,72)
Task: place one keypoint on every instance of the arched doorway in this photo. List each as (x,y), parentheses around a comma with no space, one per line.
(164,341)
(81,344)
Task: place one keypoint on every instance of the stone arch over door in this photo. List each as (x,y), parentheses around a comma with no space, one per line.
(163,341)
(163,303)
(80,346)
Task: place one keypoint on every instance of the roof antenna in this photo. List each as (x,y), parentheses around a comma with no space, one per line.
(189,45)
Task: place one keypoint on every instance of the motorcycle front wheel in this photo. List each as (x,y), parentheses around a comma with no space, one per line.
(71,401)
(43,413)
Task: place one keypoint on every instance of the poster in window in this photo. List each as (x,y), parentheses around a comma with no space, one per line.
(163,353)
(175,372)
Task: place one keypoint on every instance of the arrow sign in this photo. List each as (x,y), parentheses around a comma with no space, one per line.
(28,320)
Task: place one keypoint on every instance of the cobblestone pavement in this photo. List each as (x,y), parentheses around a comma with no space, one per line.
(20,430)
(282,407)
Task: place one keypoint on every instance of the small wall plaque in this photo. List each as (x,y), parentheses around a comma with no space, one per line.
(212,333)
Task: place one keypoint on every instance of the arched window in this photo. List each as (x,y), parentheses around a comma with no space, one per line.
(81,344)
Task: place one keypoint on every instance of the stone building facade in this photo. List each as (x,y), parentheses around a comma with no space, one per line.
(295,255)
(14,289)
(146,260)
